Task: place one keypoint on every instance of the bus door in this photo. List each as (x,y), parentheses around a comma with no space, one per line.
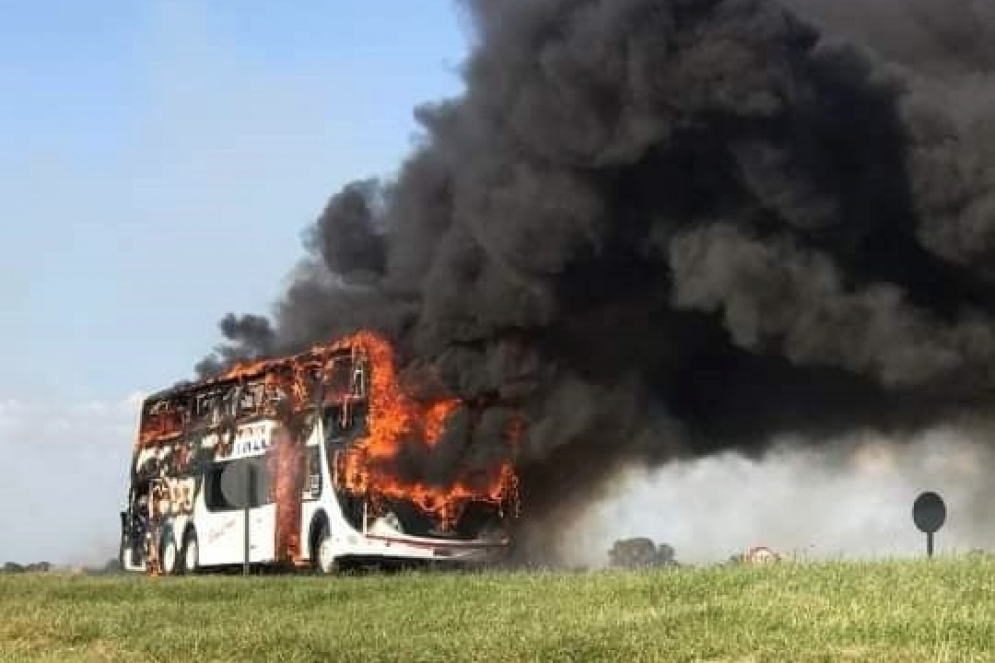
(310,493)
(134,525)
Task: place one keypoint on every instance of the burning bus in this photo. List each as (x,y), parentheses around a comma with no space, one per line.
(297,462)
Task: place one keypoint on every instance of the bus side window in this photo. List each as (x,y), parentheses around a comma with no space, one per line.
(214,496)
(312,489)
(356,386)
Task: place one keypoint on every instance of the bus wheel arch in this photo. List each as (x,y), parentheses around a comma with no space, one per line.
(319,538)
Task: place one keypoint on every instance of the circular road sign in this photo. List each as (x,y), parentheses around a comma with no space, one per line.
(929,512)
(237,484)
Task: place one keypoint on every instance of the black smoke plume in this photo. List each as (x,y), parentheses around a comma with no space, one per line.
(671,227)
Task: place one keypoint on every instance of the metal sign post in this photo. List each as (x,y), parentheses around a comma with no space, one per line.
(250,476)
(929,513)
(238,485)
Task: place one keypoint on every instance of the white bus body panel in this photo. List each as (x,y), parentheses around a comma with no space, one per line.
(221,535)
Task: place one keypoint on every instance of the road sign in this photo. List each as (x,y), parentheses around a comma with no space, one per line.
(929,513)
(237,484)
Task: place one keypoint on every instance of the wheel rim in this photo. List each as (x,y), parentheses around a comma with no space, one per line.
(191,559)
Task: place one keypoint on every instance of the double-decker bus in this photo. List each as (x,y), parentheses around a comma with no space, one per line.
(287,463)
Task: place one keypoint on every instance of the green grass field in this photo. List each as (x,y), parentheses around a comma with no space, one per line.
(942,610)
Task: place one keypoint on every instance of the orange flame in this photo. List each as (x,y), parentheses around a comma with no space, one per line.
(395,417)
(285,468)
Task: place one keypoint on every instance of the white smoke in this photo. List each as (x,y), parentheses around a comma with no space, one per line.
(854,501)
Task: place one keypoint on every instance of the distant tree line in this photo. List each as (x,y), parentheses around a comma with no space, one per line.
(110,567)
(641,552)
(37,567)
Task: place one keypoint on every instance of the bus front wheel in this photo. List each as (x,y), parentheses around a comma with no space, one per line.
(323,554)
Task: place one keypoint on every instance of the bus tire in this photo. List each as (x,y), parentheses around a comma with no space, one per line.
(190,552)
(322,560)
(170,556)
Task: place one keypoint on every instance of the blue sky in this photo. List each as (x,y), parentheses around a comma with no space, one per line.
(158,162)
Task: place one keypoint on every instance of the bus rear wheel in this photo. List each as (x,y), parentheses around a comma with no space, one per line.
(190,554)
(170,557)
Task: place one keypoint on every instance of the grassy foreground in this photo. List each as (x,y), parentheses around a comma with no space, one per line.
(897,611)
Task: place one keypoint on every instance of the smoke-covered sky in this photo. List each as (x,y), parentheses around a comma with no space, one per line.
(674,229)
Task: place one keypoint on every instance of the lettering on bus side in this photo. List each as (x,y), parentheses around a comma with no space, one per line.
(216,533)
(251,442)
